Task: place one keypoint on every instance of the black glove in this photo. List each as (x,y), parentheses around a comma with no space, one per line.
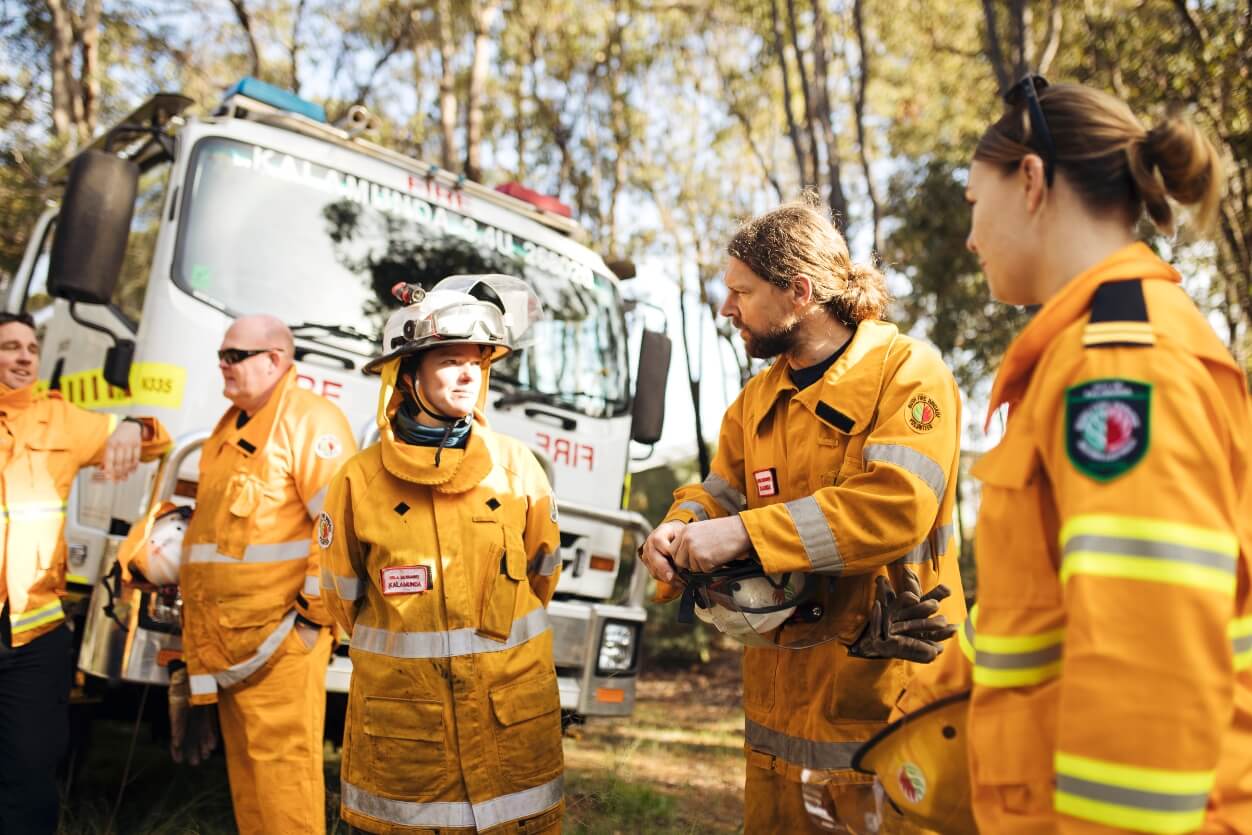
(193,729)
(904,626)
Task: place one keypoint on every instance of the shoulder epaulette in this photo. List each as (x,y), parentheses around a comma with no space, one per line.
(1119,317)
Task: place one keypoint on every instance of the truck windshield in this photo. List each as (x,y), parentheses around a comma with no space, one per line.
(265,232)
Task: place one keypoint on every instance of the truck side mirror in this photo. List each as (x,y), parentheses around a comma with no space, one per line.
(649,409)
(93,227)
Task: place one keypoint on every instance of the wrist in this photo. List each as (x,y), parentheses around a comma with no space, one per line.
(145,432)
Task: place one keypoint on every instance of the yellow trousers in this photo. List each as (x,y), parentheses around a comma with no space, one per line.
(774,805)
(272,729)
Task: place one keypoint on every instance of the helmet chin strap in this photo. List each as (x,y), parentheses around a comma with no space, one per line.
(449,421)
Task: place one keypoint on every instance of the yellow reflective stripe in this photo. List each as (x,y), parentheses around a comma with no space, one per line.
(1143,799)
(78,578)
(1010,660)
(1024,677)
(1149,549)
(1241,641)
(35,618)
(967,638)
(30,510)
(1025,643)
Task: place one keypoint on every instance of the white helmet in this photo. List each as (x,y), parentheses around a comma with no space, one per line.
(157,557)
(755,608)
(492,310)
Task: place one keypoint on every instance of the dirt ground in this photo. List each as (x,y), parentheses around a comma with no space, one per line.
(674,766)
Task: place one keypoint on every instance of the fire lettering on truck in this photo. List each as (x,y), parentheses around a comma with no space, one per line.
(566,452)
(326,388)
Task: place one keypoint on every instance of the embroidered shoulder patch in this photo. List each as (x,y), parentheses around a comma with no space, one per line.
(325,530)
(922,412)
(1107,426)
(327,446)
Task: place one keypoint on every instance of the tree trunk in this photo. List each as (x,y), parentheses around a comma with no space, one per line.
(245,23)
(858,104)
(993,45)
(62,71)
(806,92)
(90,83)
(485,13)
(793,128)
(447,86)
(821,117)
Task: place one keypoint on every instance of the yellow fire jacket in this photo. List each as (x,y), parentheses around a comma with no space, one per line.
(1111,649)
(248,562)
(849,478)
(44,442)
(441,576)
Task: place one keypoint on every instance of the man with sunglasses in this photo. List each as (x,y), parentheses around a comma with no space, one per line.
(44,442)
(256,636)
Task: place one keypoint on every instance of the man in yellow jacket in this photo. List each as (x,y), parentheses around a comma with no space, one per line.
(256,636)
(440,557)
(44,442)
(838,462)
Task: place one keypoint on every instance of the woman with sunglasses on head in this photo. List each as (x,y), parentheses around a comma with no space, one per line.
(1111,648)
(439,557)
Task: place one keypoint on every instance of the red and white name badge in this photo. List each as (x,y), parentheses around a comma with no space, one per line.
(405,579)
(766,482)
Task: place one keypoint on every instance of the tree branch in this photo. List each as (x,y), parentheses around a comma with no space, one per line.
(792,128)
(995,53)
(1051,38)
(858,104)
(245,22)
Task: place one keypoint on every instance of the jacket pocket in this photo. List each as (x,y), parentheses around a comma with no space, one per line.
(405,745)
(1011,759)
(528,731)
(236,515)
(246,621)
(865,688)
(1018,561)
(502,588)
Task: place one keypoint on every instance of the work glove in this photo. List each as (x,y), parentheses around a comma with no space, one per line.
(193,729)
(906,625)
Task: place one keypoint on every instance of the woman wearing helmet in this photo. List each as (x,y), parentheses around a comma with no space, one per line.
(439,555)
(1111,648)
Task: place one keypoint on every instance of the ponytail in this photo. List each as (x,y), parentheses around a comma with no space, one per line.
(1174,160)
(864,295)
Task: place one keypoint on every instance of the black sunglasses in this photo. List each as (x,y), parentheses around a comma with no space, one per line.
(1028,90)
(234,356)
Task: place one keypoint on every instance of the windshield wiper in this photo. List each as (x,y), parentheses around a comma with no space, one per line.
(521,395)
(346,331)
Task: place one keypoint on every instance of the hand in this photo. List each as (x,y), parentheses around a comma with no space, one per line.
(121,451)
(193,730)
(712,543)
(906,625)
(659,548)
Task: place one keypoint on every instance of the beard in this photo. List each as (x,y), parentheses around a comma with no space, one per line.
(779,339)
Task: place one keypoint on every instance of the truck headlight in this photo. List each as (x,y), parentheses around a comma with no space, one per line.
(618,644)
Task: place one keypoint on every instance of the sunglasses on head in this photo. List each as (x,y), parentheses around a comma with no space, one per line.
(234,356)
(1027,90)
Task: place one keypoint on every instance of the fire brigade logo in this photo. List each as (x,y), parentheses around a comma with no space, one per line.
(327,446)
(922,412)
(325,531)
(1107,426)
(912,783)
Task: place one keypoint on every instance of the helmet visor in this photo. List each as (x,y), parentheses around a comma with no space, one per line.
(785,611)
(463,321)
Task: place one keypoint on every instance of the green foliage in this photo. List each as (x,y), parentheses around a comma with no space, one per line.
(610,804)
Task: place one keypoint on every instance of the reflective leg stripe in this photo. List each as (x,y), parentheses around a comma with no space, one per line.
(450,644)
(695,509)
(731,500)
(202,684)
(1129,797)
(35,618)
(489,813)
(815,534)
(935,544)
(1241,642)
(269,552)
(1149,549)
(803,752)
(545,564)
(348,588)
(1011,660)
(911,461)
(24,511)
(312,586)
(314,505)
(238,672)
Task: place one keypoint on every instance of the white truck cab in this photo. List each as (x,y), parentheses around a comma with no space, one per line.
(169,226)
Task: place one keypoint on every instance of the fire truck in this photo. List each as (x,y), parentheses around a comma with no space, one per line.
(168,225)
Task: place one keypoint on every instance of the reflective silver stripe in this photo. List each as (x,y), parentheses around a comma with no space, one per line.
(1133,798)
(234,674)
(731,500)
(21,511)
(911,460)
(695,509)
(548,563)
(818,539)
(312,586)
(1241,643)
(489,813)
(348,588)
(448,644)
(922,553)
(267,552)
(1151,549)
(315,504)
(1017,660)
(202,684)
(805,752)
(45,614)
